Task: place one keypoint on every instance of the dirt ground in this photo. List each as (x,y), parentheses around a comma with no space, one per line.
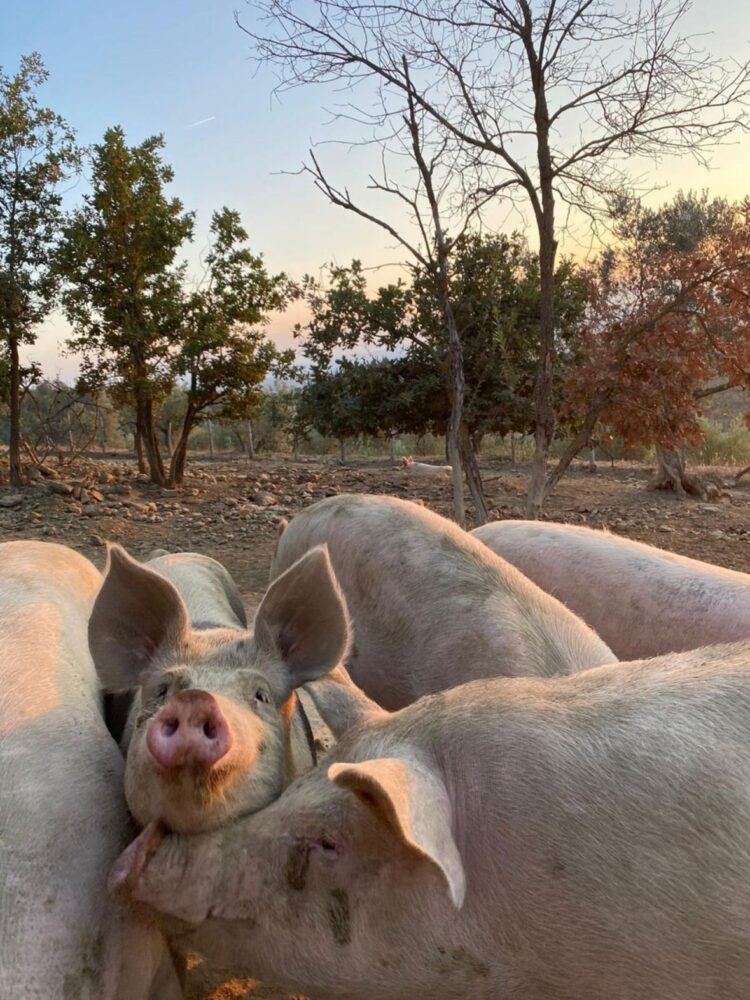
(230,509)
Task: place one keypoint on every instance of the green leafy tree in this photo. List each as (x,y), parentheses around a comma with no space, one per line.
(495,294)
(274,423)
(223,357)
(494,290)
(123,291)
(37,152)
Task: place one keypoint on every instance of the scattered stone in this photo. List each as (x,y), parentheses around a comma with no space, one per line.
(60,486)
(136,505)
(265,499)
(14,500)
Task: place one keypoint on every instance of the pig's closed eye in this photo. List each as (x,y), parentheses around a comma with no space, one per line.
(262,696)
(161,693)
(328,847)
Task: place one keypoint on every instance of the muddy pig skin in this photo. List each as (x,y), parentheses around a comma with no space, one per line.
(577,837)
(63,818)
(431,606)
(641,600)
(213,729)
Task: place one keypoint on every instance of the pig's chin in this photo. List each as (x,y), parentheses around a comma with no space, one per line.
(190,800)
(194,800)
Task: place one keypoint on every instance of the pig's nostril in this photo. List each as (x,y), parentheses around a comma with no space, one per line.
(170,726)
(209,730)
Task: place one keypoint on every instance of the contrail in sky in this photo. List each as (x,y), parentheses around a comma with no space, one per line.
(202,121)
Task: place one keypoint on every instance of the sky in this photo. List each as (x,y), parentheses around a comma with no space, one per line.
(183,68)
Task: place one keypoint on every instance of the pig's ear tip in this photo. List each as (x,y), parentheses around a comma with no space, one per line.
(129,867)
(120,874)
(457,890)
(116,554)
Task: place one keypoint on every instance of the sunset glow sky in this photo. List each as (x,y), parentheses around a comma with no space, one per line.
(182,67)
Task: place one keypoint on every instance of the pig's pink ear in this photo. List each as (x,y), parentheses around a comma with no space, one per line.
(137,620)
(413,800)
(302,620)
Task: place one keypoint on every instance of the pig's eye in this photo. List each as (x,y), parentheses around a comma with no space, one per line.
(262,696)
(328,847)
(161,692)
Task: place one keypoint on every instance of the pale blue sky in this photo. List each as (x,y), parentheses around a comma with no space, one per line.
(162,65)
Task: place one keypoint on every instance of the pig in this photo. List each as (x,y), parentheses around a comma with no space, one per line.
(212,732)
(582,836)
(423,469)
(211,596)
(63,817)
(641,600)
(431,606)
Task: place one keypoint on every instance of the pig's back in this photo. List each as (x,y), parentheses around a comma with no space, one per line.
(431,606)
(207,588)
(606,819)
(641,600)
(62,812)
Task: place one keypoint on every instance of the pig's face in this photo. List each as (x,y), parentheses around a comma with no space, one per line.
(209,741)
(347,886)
(209,733)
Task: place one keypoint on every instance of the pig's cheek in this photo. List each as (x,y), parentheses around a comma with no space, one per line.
(141,789)
(256,766)
(255,891)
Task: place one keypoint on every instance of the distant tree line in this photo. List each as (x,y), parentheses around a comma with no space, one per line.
(479,337)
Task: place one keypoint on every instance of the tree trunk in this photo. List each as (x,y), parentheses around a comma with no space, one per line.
(177,465)
(144,414)
(671,474)
(592,459)
(513,447)
(250,442)
(457,480)
(138,446)
(392,448)
(210,428)
(473,476)
(179,456)
(544,208)
(458,390)
(14,451)
(342,450)
(170,439)
(544,412)
(574,447)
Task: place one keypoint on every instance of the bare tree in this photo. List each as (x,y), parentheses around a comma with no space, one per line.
(550,100)
(431,248)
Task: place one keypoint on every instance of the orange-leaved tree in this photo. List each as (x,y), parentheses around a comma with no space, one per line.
(666,327)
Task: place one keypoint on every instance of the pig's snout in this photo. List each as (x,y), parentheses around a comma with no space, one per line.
(189,731)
